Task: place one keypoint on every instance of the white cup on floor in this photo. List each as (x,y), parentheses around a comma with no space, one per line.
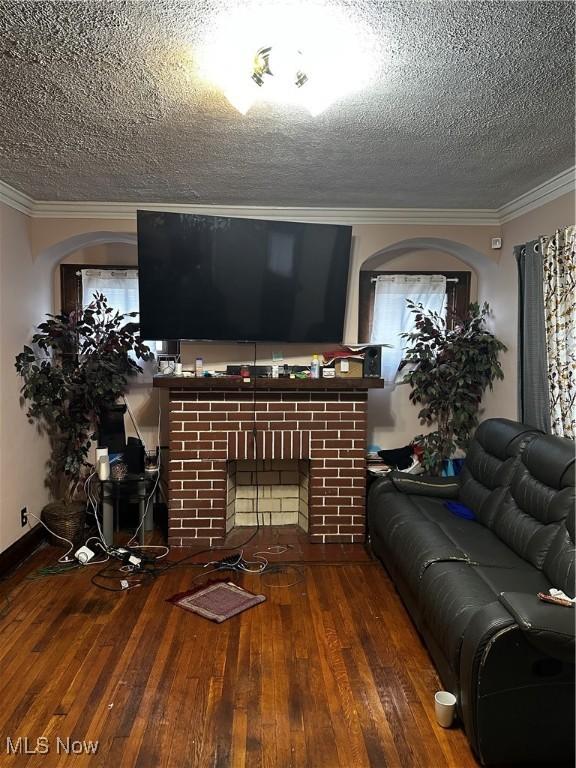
(445,708)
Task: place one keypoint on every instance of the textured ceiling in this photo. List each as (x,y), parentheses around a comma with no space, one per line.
(472,104)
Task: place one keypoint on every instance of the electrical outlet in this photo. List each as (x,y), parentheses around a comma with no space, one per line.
(24,516)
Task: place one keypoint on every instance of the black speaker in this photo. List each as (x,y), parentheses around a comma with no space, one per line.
(134,456)
(372,362)
(111,432)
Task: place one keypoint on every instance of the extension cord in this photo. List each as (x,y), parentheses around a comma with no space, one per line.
(237,563)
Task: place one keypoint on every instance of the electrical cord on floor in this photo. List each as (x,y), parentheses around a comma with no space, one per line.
(239,563)
(53,570)
(283,568)
(66,556)
(125,578)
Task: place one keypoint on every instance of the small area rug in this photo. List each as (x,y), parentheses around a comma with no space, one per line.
(217,601)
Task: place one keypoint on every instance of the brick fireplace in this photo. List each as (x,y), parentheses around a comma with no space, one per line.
(217,424)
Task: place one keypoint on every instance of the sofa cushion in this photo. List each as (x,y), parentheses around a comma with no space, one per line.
(550,459)
(480,545)
(449,595)
(540,496)
(521,579)
(405,529)
(503,438)
(491,459)
(523,533)
(417,547)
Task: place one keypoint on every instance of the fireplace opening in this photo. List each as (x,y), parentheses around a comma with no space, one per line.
(270,492)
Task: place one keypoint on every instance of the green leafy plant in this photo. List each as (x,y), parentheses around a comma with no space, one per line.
(451,369)
(80,364)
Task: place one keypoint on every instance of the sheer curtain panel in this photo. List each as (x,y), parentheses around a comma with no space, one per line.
(392,316)
(119,286)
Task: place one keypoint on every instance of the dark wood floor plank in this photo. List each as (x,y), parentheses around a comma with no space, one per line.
(281,681)
(329,672)
(347,732)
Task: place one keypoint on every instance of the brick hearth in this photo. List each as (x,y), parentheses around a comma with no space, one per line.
(210,428)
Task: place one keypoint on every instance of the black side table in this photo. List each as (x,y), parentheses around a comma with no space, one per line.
(132,489)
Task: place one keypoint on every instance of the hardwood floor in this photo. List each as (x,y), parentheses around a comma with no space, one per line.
(327,672)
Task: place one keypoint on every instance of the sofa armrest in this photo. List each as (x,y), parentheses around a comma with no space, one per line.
(548,627)
(423,485)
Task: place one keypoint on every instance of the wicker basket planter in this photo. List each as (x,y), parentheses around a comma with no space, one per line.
(66,520)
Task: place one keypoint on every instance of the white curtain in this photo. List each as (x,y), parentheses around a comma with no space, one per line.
(391,315)
(120,286)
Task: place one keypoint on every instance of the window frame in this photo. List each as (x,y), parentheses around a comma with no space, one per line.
(457,295)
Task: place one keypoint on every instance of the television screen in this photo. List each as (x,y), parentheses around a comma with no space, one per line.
(226,279)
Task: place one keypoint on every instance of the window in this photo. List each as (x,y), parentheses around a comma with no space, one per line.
(120,286)
(79,282)
(383,313)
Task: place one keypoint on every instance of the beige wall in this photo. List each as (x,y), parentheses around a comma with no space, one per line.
(25,296)
(541,221)
(500,289)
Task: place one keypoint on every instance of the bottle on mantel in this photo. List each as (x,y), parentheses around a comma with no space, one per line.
(315,367)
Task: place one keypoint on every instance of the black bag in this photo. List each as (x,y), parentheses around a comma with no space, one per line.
(398,458)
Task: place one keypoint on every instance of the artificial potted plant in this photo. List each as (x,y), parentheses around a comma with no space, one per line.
(451,366)
(78,364)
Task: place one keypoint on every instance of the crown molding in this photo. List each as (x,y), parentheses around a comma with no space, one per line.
(440,216)
(15,199)
(558,185)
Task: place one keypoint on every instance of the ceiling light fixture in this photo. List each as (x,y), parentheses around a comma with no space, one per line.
(299,54)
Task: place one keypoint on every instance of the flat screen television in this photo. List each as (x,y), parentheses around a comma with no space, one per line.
(227,279)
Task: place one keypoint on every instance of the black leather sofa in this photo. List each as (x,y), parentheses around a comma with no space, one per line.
(471,586)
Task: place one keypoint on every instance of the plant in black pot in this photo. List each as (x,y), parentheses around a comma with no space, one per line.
(452,364)
(77,367)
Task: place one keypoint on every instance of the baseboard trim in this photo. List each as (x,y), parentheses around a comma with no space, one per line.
(21,549)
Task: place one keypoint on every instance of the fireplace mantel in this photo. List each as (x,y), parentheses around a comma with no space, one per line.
(215,421)
(219,383)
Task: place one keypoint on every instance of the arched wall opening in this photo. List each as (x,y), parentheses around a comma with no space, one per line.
(111,249)
(392,419)
(473,258)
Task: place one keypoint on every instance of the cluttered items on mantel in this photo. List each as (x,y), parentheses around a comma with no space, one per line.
(364,361)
